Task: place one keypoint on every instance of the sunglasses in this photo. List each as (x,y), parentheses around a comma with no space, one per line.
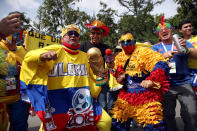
(70,33)
(97,33)
(127,42)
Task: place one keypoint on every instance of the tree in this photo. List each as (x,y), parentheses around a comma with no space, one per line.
(188,11)
(138,7)
(106,15)
(138,20)
(38,26)
(55,14)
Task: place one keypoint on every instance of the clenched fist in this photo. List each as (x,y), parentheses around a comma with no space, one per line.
(50,55)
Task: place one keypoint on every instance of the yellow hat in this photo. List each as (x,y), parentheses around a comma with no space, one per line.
(71,27)
(127,36)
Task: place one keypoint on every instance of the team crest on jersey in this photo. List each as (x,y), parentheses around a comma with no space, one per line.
(82,112)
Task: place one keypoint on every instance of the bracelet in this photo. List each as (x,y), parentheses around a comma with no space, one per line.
(188,51)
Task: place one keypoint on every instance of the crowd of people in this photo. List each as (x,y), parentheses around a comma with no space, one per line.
(59,82)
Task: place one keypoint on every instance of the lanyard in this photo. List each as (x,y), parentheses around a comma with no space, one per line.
(166,48)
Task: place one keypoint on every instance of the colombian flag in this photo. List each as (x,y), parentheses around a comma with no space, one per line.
(61,91)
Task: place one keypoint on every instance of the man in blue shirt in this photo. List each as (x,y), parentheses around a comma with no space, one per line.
(180,84)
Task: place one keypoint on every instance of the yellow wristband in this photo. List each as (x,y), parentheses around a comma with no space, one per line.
(188,51)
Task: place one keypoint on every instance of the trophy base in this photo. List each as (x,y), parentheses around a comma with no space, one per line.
(100,81)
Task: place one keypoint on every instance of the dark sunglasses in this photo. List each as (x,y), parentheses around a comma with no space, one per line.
(97,33)
(129,42)
(69,33)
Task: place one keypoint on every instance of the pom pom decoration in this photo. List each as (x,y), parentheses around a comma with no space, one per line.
(162,20)
(108,52)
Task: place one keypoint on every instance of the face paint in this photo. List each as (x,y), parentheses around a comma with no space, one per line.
(128,49)
(128,43)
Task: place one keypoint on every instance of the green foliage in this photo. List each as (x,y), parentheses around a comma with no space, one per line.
(39,27)
(138,20)
(106,15)
(188,11)
(52,15)
(25,22)
(139,7)
(174,21)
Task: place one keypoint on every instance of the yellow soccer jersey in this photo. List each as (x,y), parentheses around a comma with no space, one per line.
(68,71)
(192,63)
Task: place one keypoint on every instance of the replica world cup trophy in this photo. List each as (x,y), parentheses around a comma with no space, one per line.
(48,118)
(96,62)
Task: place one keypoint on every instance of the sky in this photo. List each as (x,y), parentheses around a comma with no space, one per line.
(90,6)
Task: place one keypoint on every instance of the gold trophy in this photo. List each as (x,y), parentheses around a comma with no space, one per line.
(96,62)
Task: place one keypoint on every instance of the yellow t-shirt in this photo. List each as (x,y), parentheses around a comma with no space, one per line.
(192,63)
(113,84)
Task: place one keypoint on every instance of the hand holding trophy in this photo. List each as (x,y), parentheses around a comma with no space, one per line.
(96,63)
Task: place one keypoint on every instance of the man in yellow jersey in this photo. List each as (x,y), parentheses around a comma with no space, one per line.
(185,27)
(63,91)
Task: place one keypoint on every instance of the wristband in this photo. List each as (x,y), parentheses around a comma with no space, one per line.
(188,51)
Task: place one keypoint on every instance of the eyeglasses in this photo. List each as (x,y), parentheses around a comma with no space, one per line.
(164,29)
(70,33)
(97,33)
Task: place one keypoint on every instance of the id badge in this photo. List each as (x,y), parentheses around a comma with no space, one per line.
(10,83)
(172,66)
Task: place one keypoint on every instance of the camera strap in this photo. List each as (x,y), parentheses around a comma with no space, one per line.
(126,64)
